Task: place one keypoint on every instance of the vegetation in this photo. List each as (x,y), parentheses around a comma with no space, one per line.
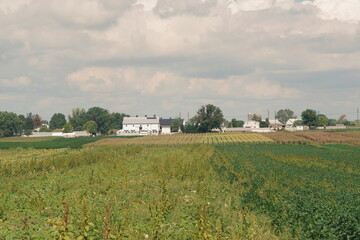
(208,117)
(91,127)
(181,139)
(10,124)
(194,191)
(57,121)
(284,115)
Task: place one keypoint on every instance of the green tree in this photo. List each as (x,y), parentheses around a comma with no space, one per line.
(68,128)
(256,117)
(284,115)
(58,120)
(29,122)
(91,127)
(77,118)
(44,129)
(10,124)
(208,117)
(190,128)
(298,123)
(102,117)
(322,120)
(175,125)
(235,123)
(118,120)
(265,124)
(309,117)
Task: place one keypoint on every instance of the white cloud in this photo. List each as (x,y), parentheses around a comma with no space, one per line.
(343,10)
(257,5)
(12,6)
(16,82)
(147,82)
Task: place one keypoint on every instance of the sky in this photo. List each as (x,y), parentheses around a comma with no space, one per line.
(165,57)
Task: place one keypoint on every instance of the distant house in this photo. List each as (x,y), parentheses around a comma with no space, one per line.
(276,124)
(338,126)
(141,125)
(291,121)
(252,124)
(165,125)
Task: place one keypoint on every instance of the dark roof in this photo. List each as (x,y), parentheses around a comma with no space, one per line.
(164,121)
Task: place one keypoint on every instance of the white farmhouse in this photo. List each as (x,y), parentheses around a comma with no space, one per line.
(252,124)
(137,125)
(291,122)
(165,125)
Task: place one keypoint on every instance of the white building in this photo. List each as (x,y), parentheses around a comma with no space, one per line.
(252,124)
(137,125)
(291,122)
(165,125)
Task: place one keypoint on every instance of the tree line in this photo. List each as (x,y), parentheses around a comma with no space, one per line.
(95,119)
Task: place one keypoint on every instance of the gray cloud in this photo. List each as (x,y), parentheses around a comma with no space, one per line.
(166,57)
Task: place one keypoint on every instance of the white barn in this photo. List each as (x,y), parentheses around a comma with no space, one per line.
(137,125)
(252,124)
(165,125)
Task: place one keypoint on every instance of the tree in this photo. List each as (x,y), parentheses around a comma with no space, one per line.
(37,121)
(256,117)
(322,120)
(78,118)
(44,129)
(190,128)
(29,122)
(208,117)
(175,125)
(90,127)
(265,124)
(102,117)
(58,120)
(235,123)
(284,115)
(118,120)
(68,128)
(10,124)
(298,123)
(309,117)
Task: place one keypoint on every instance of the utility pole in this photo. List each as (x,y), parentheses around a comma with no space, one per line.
(188,116)
(357,117)
(268,114)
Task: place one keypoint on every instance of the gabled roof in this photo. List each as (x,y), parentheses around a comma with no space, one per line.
(140,120)
(168,121)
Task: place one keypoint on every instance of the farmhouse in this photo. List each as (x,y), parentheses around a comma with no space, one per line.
(148,125)
(165,125)
(291,121)
(252,124)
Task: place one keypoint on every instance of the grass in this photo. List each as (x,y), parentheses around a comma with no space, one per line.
(227,191)
(51,142)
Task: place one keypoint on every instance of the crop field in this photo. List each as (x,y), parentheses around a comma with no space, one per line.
(181,191)
(180,139)
(310,137)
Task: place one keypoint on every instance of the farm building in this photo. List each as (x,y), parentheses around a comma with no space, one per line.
(291,121)
(252,124)
(165,125)
(137,125)
(276,124)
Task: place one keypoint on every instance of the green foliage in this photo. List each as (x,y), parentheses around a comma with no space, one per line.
(309,117)
(78,118)
(236,123)
(298,123)
(68,128)
(29,122)
(118,120)
(265,124)
(322,120)
(102,117)
(256,117)
(57,121)
(44,129)
(90,127)
(284,115)
(190,128)
(175,125)
(208,117)
(10,124)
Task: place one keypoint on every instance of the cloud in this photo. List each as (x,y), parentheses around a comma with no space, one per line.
(11,7)
(257,5)
(19,82)
(342,10)
(149,83)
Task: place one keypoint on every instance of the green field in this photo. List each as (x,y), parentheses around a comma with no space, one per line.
(194,191)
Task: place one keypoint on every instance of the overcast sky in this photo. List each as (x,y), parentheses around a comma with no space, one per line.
(165,57)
